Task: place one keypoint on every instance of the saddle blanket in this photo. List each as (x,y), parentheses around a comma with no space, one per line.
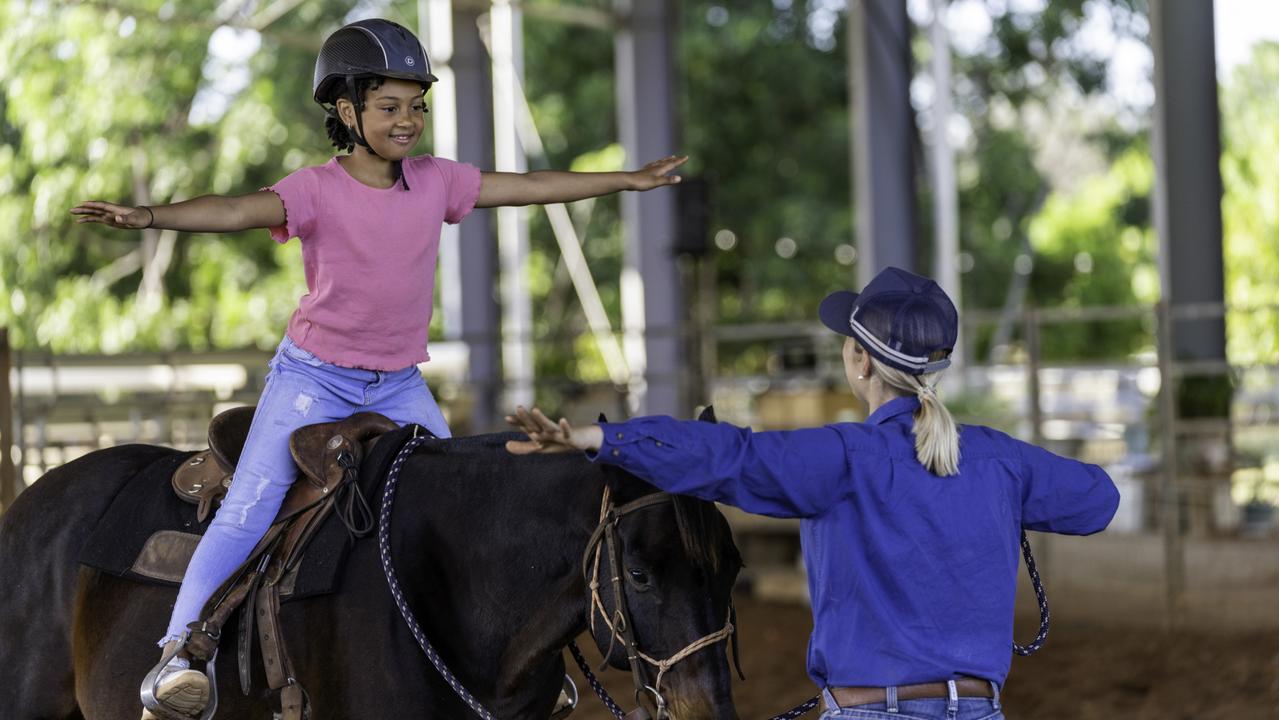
(147,505)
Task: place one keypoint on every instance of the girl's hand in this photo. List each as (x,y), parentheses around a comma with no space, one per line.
(547,436)
(117,216)
(656,173)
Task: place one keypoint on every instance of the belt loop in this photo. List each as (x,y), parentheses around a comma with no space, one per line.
(952,700)
(890,698)
(994,694)
(829,699)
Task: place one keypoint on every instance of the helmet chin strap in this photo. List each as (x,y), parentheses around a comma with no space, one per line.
(358,132)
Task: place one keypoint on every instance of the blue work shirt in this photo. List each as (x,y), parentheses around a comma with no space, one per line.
(912,576)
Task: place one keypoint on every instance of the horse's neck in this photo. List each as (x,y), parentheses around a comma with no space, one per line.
(520,597)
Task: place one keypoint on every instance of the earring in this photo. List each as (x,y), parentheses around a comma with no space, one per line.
(861,377)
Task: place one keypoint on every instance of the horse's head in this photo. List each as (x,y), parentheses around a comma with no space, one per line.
(670,608)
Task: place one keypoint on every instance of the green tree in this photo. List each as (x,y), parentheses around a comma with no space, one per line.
(1095,247)
(1250,206)
(98,102)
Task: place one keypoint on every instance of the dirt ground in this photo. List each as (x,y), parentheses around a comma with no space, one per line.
(1084,672)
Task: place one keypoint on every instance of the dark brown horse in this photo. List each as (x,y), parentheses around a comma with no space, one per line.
(488,548)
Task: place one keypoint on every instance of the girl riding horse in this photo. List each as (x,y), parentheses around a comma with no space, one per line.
(369,223)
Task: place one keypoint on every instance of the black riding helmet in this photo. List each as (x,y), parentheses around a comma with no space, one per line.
(367,48)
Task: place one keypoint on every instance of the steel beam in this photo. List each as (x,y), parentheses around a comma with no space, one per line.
(1186,139)
(652,299)
(883,130)
(462,124)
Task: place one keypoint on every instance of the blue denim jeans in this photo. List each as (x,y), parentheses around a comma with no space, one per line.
(300,390)
(946,708)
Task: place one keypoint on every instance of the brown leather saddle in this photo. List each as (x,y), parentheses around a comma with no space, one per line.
(328,457)
(205,478)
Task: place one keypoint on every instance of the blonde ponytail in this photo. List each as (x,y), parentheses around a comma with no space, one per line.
(936,435)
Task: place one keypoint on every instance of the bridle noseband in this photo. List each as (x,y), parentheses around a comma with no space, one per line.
(619,625)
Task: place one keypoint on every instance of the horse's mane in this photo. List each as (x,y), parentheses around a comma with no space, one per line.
(703,532)
(471,443)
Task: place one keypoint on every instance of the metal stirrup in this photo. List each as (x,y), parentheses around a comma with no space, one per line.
(570,691)
(149,683)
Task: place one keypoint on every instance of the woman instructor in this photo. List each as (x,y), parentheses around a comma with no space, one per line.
(910,525)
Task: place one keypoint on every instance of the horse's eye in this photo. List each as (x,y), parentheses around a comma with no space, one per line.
(639,576)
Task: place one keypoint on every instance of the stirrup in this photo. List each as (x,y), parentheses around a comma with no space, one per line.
(152,680)
(569,692)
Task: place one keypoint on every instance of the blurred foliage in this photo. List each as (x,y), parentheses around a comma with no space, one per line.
(1096,247)
(128,101)
(97,103)
(765,117)
(1250,206)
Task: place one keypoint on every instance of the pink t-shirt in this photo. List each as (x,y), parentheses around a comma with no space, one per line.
(369,257)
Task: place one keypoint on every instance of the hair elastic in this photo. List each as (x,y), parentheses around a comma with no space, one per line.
(151,213)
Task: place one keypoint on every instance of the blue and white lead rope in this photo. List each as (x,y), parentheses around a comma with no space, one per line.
(594,681)
(384,548)
(1040,597)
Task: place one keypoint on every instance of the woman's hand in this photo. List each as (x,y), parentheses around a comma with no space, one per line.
(117,216)
(547,436)
(656,174)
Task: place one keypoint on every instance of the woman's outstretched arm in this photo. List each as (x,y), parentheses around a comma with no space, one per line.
(793,473)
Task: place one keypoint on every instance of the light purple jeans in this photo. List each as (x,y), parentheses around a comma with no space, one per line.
(300,390)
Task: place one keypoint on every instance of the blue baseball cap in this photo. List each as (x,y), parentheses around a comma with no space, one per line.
(901,319)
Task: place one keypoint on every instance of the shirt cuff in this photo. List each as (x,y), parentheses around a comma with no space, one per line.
(280,233)
(626,440)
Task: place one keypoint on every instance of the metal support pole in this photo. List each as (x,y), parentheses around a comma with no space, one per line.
(1035,416)
(477,249)
(1170,490)
(1186,144)
(883,130)
(512,222)
(1186,140)
(945,194)
(652,303)
(8,474)
(435,27)
(1034,404)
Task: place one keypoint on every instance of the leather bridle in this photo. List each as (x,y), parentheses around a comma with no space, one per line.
(619,625)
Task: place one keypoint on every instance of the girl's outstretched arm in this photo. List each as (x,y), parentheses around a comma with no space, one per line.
(556,186)
(210,213)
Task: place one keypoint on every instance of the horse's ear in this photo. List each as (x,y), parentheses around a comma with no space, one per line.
(602,418)
(708,414)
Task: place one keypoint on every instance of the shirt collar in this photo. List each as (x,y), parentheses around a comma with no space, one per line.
(893,408)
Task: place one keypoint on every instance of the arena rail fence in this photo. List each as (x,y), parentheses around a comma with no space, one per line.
(1212,482)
